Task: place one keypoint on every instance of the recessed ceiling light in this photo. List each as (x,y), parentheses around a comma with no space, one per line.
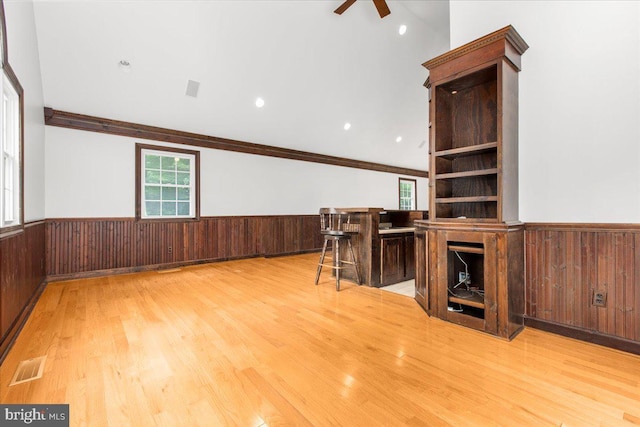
(124,65)
(347,126)
(259,102)
(399,139)
(402,29)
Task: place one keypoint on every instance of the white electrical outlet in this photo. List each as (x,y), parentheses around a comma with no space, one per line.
(464,278)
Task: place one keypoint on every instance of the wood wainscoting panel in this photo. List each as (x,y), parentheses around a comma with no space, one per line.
(78,246)
(567,263)
(21,274)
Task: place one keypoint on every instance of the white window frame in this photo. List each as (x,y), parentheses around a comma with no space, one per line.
(411,205)
(176,155)
(11,151)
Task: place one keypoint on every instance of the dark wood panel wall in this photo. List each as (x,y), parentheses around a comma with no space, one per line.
(22,272)
(83,247)
(567,263)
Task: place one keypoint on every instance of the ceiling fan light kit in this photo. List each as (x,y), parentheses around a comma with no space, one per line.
(381,6)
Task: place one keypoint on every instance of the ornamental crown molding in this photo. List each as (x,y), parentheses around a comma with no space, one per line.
(507,33)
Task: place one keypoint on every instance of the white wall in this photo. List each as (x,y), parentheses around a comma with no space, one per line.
(315,69)
(579,104)
(93,175)
(23,58)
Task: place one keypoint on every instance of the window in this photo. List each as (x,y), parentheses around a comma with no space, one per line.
(168,183)
(11,148)
(407,191)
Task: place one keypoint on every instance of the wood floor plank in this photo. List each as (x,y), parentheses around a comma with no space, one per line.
(255,343)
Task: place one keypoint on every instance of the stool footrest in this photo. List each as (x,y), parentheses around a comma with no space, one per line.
(336,261)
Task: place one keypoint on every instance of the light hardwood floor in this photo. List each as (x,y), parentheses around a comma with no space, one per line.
(254,342)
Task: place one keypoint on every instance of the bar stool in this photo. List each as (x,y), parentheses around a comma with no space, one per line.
(336,227)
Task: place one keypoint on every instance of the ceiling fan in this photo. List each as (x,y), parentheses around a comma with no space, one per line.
(381,5)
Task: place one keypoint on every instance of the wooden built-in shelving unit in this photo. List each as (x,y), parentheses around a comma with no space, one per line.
(473,225)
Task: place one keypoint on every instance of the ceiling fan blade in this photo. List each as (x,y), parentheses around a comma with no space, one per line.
(344,6)
(382,7)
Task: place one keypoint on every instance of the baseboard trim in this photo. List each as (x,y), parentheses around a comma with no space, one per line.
(138,269)
(305,251)
(13,332)
(584,335)
(155,267)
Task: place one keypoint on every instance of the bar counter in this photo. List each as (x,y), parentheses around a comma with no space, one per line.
(384,254)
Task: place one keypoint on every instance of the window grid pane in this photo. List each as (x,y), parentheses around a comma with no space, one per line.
(5,120)
(407,195)
(164,185)
(11,156)
(8,189)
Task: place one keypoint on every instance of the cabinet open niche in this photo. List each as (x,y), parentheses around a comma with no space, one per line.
(475,276)
(465,156)
(465,278)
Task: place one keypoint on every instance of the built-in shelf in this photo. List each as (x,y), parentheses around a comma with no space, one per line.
(473,234)
(474,300)
(467,249)
(466,174)
(473,199)
(471,150)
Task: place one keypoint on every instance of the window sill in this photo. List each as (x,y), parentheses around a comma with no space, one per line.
(11,231)
(196,219)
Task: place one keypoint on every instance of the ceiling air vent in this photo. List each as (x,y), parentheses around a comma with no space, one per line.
(192,88)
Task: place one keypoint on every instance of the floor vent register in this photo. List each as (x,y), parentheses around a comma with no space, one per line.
(29,370)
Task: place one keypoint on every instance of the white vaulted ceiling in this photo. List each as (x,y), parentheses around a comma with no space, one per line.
(315,70)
